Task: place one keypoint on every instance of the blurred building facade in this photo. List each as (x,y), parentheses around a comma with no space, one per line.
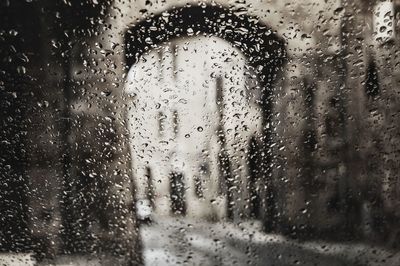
(329,151)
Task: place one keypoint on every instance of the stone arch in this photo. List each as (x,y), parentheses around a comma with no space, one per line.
(263,48)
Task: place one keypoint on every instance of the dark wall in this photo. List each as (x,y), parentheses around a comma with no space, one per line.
(64,171)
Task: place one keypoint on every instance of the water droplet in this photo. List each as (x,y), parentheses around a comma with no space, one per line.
(148,40)
(190,32)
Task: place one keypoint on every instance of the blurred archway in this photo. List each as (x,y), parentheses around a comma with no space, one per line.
(263,48)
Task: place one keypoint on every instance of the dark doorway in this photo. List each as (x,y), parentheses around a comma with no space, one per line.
(150,186)
(177,194)
(253,162)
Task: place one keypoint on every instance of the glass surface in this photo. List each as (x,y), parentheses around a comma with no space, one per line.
(225,132)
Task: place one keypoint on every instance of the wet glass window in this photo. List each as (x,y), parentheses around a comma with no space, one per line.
(218,132)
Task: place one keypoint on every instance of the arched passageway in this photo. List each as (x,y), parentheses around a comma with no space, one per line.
(263,49)
(173,151)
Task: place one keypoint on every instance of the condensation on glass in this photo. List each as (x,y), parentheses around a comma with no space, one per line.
(199,132)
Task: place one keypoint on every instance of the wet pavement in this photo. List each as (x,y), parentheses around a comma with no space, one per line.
(17,259)
(176,241)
